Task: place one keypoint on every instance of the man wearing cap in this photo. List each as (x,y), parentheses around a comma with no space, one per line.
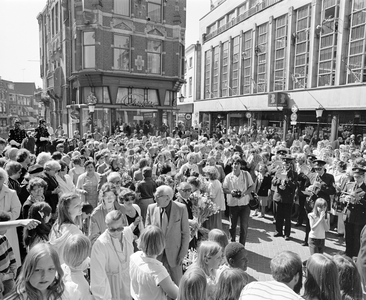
(354,196)
(16,135)
(41,136)
(285,183)
(326,180)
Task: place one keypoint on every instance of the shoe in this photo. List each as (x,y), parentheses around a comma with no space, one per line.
(287,238)
(277,235)
(305,244)
(255,214)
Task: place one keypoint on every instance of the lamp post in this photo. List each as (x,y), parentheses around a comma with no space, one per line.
(92,101)
(319,113)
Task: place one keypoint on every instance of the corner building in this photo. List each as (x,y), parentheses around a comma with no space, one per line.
(262,58)
(125,55)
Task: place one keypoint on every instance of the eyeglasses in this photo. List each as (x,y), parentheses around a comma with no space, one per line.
(116,182)
(119,229)
(129,199)
(186,190)
(159,196)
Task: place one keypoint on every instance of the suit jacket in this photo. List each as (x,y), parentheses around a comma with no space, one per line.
(51,199)
(177,235)
(356,213)
(287,194)
(361,259)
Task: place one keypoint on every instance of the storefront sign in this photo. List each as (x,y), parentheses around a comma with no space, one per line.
(138,118)
(278,99)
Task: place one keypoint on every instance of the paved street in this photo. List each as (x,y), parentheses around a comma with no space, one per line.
(262,246)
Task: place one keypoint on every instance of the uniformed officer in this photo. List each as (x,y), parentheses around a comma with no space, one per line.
(41,136)
(326,181)
(16,135)
(353,195)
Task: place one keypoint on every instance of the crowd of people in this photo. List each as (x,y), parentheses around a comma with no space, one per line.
(116,217)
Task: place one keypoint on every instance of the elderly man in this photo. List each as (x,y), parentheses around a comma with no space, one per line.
(110,259)
(286,269)
(172,218)
(238,185)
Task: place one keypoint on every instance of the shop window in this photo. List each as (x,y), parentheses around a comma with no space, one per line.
(154,10)
(154,57)
(121,52)
(280,53)
(224,69)
(235,66)
(89,49)
(207,84)
(247,62)
(122,96)
(122,7)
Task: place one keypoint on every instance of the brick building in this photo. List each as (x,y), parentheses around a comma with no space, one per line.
(125,55)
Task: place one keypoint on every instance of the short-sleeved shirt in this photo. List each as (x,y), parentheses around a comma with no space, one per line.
(146,274)
(7,258)
(242,183)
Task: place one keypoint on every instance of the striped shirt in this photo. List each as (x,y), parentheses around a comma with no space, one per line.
(268,290)
(7,259)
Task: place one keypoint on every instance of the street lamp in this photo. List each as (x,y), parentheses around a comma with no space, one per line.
(319,113)
(92,101)
(181,98)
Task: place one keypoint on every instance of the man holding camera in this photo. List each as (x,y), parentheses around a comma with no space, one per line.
(238,186)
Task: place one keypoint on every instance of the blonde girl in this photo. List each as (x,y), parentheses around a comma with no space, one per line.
(193,285)
(318,226)
(231,283)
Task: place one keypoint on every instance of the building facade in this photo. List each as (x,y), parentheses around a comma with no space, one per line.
(124,56)
(260,59)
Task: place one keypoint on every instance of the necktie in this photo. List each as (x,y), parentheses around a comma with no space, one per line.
(164,220)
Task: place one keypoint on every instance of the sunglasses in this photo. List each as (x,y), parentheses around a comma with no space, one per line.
(119,229)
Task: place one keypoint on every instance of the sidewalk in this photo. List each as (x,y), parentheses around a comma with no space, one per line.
(262,246)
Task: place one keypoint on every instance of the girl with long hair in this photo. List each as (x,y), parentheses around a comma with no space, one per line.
(68,211)
(41,275)
(42,212)
(230,284)
(193,285)
(318,226)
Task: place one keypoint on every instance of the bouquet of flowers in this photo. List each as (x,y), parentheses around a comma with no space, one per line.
(189,259)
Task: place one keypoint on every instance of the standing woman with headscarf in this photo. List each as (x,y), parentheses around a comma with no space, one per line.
(87,184)
(10,204)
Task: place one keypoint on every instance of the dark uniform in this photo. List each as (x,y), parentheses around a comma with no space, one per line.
(41,131)
(17,135)
(327,184)
(355,212)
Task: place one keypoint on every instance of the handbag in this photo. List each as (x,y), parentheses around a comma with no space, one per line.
(254,201)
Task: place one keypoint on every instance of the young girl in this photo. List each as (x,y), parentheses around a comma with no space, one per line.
(321,279)
(41,275)
(318,226)
(193,285)
(68,209)
(262,185)
(76,256)
(209,258)
(40,211)
(230,285)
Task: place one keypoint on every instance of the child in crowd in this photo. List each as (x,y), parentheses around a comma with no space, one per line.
(42,212)
(193,285)
(8,264)
(220,237)
(262,185)
(77,170)
(318,226)
(76,257)
(87,209)
(230,285)
(40,276)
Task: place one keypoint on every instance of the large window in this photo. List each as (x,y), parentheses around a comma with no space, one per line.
(154,10)
(121,52)
(122,7)
(328,42)
(247,62)
(207,92)
(190,86)
(234,78)
(280,53)
(89,49)
(224,69)
(302,43)
(215,84)
(356,69)
(261,52)
(154,57)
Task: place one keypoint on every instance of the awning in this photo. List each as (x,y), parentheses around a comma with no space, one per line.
(25,119)
(32,120)
(185,108)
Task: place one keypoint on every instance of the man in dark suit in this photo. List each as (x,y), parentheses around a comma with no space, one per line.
(172,218)
(327,185)
(354,195)
(16,135)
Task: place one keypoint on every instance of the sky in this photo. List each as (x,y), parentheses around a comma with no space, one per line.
(19,50)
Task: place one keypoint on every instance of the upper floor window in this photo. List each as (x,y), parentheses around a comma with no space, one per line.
(261,52)
(215,75)
(280,53)
(190,62)
(121,52)
(190,87)
(154,57)
(235,66)
(224,69)
(247,62)
(302,44)
(154,10)
(122,7)
(89,49)
(207,92)
(211,28)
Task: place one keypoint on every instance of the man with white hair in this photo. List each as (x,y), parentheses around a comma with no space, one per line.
(172,218)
